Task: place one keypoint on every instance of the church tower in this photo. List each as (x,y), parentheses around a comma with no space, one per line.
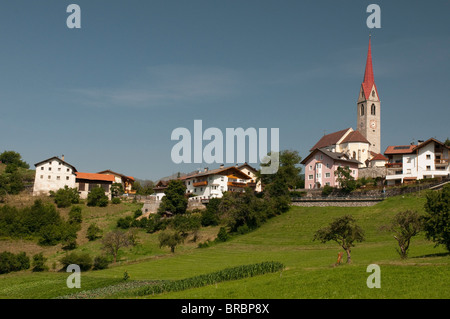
(368,107)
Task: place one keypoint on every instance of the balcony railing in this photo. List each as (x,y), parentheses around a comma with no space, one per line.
(443,161)
(202,183)
(237,184)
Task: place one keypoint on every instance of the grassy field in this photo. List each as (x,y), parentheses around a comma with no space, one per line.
(309,271)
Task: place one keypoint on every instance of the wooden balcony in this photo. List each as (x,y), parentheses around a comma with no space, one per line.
(442,161)
(202,183)
(237,184)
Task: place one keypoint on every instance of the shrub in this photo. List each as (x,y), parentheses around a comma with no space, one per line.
(10,262)
(100,262)
(222,236)
(97,197)
(83,260)
(115,200)
(64,197)
(137,213)
(93,232)
(51,235)
(39,263)
(327,190)
(125,222)
(75,216)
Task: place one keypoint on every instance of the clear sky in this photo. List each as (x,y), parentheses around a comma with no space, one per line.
(109,95)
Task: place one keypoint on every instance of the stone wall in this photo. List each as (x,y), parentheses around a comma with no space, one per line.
(372,172)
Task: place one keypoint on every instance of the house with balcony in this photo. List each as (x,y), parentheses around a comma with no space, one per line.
(407,163)
(213,183)
(126,181)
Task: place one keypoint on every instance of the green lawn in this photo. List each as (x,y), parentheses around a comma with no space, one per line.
(309,271)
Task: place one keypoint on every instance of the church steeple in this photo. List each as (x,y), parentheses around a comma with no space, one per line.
(368,106)
(369,79)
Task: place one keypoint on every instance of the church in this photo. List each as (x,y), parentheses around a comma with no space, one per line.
(356,149)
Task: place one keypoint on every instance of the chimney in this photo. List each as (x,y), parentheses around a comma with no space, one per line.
(62,157)
(221,166)
(206,169)
(419,142)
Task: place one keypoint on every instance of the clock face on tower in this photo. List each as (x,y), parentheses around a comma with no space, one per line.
(373,124)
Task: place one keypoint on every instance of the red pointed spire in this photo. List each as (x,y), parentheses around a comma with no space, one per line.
(369,80)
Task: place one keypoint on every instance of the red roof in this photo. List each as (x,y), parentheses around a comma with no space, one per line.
(329,139)
(95,177)
(369,79)
(399,149)
(379,157)
(355,136)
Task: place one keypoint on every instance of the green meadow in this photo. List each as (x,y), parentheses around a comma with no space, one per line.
(309,265)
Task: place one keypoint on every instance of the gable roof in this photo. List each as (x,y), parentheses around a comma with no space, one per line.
(399,149)
(378,157)
(355,136)
(95,177)
(108,171)
(231,170)
(428,142)
(337,156)
(56,158)
(330,139)
(248,166)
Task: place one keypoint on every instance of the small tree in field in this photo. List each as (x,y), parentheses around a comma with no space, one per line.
(170,240)
(405,225)
(113,241)
(97,197)
(437,219)
(342,230)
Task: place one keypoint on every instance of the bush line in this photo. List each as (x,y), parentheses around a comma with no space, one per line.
(233,273)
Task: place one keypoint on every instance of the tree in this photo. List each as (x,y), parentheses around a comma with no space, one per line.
(437,217)
(342,230)
(117,189)
(345,179)
(39,263)
(289,170)
(11,157)
(97,197)
(64,197)
(405,225)
(174,200)
(447,142)
(93,232)
(170,239)
(113,241)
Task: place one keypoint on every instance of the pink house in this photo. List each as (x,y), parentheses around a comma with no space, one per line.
(321,164)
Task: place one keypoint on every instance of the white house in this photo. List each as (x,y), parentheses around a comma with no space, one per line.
(213,183)
(428,159)
(52,174)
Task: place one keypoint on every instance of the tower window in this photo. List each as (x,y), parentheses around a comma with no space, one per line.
(362,109)
(373,109)
(373,93)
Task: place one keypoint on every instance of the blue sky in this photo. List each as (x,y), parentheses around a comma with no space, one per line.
(109,95)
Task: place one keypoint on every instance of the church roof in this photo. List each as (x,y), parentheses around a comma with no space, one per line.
(329,139)
(369,79)
(355,136)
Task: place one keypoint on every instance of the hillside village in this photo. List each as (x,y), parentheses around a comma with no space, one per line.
(358,149)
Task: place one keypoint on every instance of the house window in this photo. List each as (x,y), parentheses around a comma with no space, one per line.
(67,178)
(42,176)
(373,109)
(68,170)
(58,178)
(105,187)
(428,156)
(59,169)
(82,187)
(49,177)
(428,168)
(49,168)
(310,177)
(327,183)
(42,168)
(328,165)
(195,190)
(327,175)
(310,167)
(222,178)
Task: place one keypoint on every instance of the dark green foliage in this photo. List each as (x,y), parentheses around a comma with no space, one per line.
(222,236)
(116,190)
(125,222)
(11,157)
(84,260)
(289,171)
(210,216)
(187,223)
(39,263)
(170,239)
(97,197)
(137,213)
(174,200)
(93,232)
(405,225)
(115,201)
(10,262)
(346,181)
(437,217)
(344,231)
(327,190)
(227,274)
(156,222)
(75,215)
(64,197)
(100,262)
(11,181)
